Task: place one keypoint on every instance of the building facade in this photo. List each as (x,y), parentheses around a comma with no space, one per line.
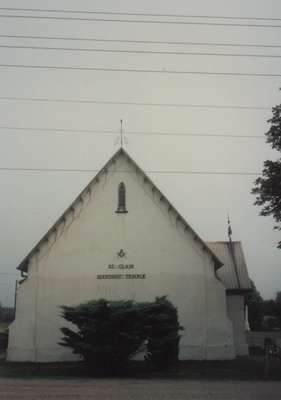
(122,239)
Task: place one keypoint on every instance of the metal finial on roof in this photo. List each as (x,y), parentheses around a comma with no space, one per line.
(232,251)
(121,133)
(121,139)
(229,230)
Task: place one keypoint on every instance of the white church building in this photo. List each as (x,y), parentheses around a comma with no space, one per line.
(121,238)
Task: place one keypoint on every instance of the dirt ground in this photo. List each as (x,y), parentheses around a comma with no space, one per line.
(129,389)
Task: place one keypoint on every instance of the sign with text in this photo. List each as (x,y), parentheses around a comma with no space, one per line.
(118,275)
(121,276)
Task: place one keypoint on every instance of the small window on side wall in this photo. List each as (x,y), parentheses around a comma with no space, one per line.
(121,209)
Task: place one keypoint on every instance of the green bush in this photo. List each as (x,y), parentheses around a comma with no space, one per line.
(162,332)
(110,333)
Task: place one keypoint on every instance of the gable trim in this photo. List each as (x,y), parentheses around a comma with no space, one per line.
(88,189)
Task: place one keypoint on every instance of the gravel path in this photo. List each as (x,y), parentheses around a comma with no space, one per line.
(109,389)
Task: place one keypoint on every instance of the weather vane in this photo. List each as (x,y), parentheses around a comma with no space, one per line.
(121,139)
(121,132)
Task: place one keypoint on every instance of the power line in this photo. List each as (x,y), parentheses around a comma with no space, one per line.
(63,38)
(128,133)
(124,171)
(138,21)
(195,135)
(8,273)
(137,104)
(55,130)
(138,14)
(134,70)
(183,53)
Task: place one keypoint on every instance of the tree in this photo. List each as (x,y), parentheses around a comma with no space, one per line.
(273,308)
(254,302)
(269,307)
(109,333)
(161,329)
(278,307)
(268,187)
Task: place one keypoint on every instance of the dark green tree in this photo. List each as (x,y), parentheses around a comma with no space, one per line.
(162,331)
(269,307)
(278,307)
(268,187)
(109,333)
(272,308)
(254,302)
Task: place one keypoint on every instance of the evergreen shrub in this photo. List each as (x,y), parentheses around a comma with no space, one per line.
(110,333)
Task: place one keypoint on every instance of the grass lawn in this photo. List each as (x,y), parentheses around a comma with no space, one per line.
(246,368)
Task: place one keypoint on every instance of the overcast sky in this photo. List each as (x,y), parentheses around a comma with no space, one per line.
(32,200)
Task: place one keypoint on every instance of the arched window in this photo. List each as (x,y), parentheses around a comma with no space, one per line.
(121,198)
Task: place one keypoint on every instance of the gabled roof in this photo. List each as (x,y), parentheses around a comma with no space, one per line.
(23,265)
(234,273)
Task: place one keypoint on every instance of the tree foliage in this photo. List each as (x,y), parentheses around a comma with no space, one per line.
(254,302)
(263,315)
(161,328)
(109,333)
(278,307)
(268,187)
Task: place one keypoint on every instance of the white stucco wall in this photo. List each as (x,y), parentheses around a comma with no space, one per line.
(64,271)
(235,307)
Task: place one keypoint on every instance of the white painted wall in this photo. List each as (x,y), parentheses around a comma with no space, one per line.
(235,309)
(64,271)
